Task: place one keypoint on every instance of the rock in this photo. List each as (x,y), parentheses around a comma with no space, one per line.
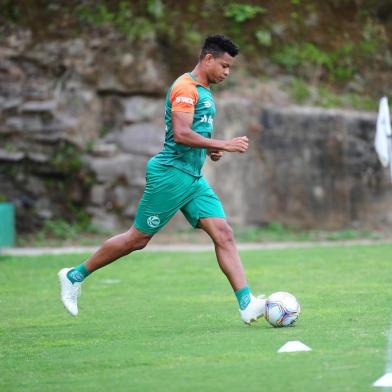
(116,71)
(78,112)
(121,196)
(11,156)
(305,166)
(44,214)
(37,157)
(123,168)
(36,185)
(245,203)
(44,209)
(10,71)
(18,40)
(10,103)
(138,109)
(97,194)
(49,53)
(107,221)
(26,124)
(319,157)
(104,149)
(133,197)
(39,106)
(143,138)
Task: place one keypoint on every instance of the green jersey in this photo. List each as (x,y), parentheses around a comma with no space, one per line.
(186,94)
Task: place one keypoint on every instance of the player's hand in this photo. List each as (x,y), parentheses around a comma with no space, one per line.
(215,155)
(238,144)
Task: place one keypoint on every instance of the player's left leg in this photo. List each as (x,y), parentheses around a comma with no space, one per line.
(206,212)
(226,250)
(251,307)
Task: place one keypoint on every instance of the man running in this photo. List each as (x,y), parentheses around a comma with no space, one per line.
(174,182)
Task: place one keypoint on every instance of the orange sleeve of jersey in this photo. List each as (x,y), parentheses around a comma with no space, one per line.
(183,97)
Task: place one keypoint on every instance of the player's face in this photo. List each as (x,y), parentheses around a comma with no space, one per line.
(218,69)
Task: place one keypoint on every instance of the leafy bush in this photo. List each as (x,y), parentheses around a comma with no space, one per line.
(121,18)
(243,12)
(263,37)
(338,64)
(300,90)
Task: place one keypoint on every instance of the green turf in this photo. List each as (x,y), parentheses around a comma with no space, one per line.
(169,322)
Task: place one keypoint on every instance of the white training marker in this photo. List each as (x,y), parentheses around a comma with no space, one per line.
(384,381)
(293,346)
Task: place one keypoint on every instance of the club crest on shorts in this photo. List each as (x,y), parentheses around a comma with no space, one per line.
(153,221)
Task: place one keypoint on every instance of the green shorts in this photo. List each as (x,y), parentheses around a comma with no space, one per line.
(168,190)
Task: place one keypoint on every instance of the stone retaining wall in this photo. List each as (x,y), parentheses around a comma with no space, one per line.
(310,167)
(79,119)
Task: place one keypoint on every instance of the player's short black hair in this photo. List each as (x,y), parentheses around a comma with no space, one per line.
(217,45)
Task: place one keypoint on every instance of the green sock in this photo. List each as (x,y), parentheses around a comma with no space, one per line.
(243,297)
(78,274)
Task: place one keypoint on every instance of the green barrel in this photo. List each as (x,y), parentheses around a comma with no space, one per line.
(7,225)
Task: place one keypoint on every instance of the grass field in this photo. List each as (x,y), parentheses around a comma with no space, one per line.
(169,322)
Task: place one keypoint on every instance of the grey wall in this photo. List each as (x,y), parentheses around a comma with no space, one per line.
(311,167)
(79,119)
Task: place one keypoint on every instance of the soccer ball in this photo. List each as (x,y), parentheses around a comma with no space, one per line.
(282,309)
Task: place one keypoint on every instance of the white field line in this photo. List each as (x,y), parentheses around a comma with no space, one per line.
(388,367)
(385,380)
(188,247)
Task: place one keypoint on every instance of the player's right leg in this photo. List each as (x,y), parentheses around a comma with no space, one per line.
(111,250)
(167,190)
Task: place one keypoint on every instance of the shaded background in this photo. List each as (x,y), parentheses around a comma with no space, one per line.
(82,87)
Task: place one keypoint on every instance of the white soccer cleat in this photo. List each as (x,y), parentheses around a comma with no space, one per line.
(69,292)
(254,310)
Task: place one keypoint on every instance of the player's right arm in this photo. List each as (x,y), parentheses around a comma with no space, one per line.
(183,134)
(183,98)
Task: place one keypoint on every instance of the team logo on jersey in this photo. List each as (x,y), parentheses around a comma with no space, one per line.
(153,221)
(184,100)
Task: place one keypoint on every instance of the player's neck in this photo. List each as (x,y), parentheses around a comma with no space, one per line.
(200,75)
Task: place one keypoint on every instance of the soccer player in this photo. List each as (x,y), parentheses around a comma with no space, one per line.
(174,182)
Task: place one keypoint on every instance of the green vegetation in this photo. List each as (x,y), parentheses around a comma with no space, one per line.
(276,232)
(243,12)
(264,37)
(328,43)
(335,53)
(80,231)
(55,232)
(67,158)
(320,95)
(296,58)
(328,99)
(300,90)
(169,322)
(122,18)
